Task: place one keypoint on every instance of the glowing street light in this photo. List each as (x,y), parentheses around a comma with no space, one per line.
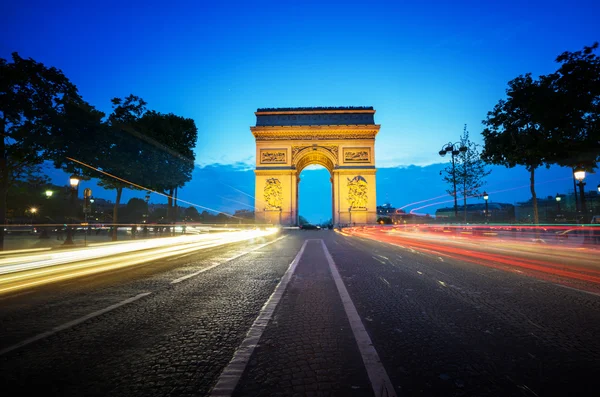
(558,198)
(579,174)
(32,211)
(74,181)
(485,198)
(48,193)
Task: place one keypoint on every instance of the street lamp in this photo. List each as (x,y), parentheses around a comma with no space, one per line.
(579,175)
(454,149)
(558,198)
(48,193)
(74,183)
(485,198)
(32,211)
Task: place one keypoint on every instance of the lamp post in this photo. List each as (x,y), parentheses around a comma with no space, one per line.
(32,212)
(454,149)
(48,193)
(74,183)
(579,175)
(558,198)
(485,198)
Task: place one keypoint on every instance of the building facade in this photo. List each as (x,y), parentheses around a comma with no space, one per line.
(340,139)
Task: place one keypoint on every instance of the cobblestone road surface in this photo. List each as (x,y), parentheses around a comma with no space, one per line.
(440,327)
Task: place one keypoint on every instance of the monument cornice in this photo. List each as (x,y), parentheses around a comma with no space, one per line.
(312,132)
(345,111)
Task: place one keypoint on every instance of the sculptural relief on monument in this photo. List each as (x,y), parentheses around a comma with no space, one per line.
(333,149)
(273,156)
(357,192)
(357,155)
(273,194)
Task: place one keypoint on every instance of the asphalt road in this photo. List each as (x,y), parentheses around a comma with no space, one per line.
(269,317)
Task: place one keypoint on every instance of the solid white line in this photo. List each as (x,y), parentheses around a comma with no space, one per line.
(578,290)
(380,381)
(233,371)
(180,279)
(71,323)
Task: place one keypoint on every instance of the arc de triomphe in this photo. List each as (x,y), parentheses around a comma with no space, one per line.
(340,139)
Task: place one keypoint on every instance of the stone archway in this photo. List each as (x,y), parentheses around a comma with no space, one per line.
(314,155)
(340,139)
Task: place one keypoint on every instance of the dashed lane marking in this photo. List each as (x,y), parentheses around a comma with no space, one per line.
(232,373)
(380,381)
(72,323)
(180,279)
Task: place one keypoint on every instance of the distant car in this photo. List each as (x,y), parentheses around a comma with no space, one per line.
(308,226)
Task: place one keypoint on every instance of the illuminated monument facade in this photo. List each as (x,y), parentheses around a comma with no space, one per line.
(340,139)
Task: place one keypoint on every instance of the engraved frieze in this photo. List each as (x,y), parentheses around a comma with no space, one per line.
(273,156)
(357,155)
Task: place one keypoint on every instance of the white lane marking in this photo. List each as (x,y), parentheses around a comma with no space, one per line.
(72,323)
(380,381)
(180,279)
(377,259)
(232,373)
(577,289)
(385,281)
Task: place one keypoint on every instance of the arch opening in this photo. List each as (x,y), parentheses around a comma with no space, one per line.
(315,199)
(315,157)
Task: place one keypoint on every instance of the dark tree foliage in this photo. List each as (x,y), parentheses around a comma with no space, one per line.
(169,141)
(552,120)
(576,111)
(122,157)
(32,105)
(516,132)
(191,215)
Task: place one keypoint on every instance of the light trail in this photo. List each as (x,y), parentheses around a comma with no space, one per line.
(148,189)
(29,270)
(497,247)
(474,196)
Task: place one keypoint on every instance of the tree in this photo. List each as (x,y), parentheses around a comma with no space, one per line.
(169,140)
(516,132)
(122,154)
(470,170)
(135,210)
(191,214)
(302,220)
(576,124)
(32,103)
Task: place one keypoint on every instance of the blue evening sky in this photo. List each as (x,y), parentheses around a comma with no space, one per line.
(427,67)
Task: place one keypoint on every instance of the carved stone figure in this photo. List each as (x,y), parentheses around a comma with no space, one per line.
(273,194)
(357,192)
